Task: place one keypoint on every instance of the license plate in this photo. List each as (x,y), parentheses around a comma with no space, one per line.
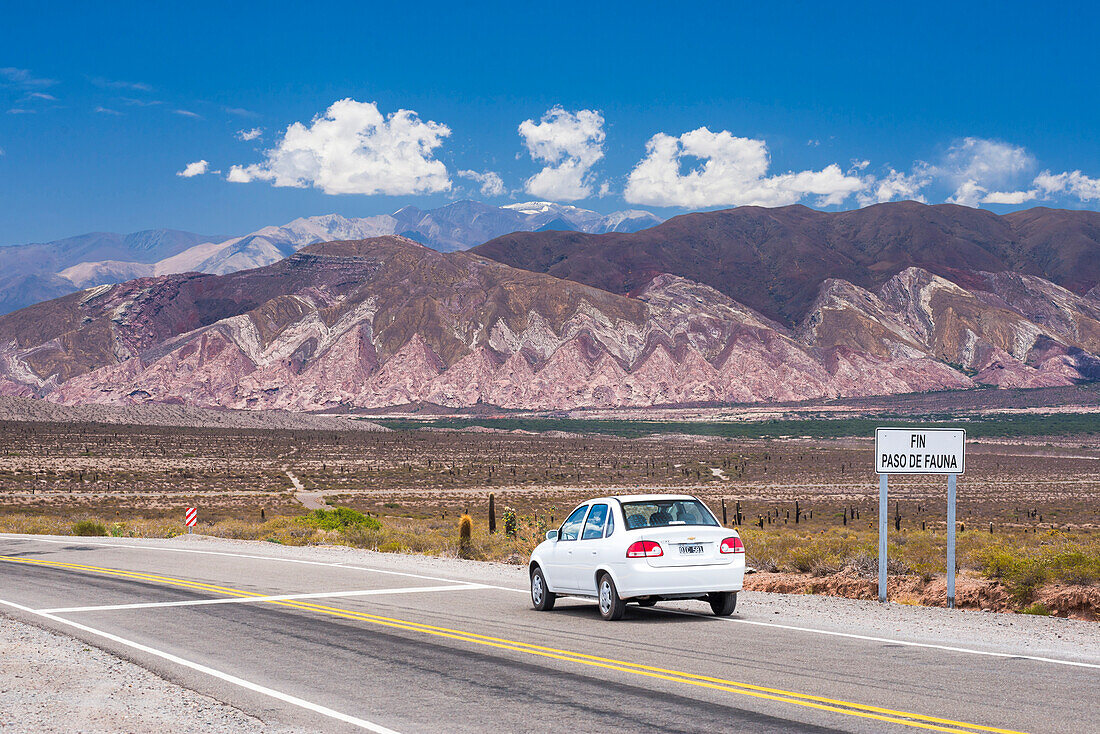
(691,549)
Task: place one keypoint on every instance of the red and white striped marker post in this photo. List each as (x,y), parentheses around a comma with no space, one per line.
(191,517)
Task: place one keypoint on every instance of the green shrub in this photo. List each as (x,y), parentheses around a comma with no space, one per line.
(1037,608)
(998,563)
(923,555)
(1074,567)
(341,518)
(363,536)
(803,559)
(1029,576)
(1020,574)
(89,528)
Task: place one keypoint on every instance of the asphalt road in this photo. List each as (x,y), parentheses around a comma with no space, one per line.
(389,643)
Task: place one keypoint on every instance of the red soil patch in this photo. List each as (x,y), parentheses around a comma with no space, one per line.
(1074,602)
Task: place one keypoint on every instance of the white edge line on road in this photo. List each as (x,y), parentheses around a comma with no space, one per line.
(812,630)
(249,685)
(249,599)
(886,640)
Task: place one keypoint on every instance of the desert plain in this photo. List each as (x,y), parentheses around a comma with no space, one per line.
(806,503)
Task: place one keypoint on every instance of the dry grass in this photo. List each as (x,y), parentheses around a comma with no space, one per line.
(1020,560)
(395,535)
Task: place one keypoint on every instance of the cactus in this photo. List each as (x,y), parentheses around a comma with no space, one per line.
(492,514)
(465,531)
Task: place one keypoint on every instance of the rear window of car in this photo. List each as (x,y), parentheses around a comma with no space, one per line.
(663,513)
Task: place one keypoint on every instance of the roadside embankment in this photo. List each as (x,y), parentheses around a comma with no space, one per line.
(971,592)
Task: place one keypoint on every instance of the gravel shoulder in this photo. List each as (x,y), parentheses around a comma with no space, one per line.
(53,683)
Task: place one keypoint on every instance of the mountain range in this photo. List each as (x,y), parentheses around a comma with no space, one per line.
(775,260)
(38,272)
(741,305)
(31,273)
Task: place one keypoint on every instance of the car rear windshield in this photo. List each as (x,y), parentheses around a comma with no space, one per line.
(662,513)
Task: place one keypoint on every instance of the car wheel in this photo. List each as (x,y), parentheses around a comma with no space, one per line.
(722,603)
(611,606)
(647,602)
(541,597)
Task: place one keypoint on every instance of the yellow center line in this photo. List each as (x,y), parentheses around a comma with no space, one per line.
(849,708)
(133,575)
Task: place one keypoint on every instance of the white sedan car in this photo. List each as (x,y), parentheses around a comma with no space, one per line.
(639,548)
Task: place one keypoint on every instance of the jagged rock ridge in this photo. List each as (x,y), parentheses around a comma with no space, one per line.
(386,321)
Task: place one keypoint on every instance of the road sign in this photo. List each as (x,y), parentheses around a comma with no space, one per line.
(191,517)
(920,450)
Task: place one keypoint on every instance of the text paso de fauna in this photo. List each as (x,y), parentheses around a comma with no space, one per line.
(920,461)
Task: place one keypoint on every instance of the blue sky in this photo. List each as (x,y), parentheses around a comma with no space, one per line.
(633,105)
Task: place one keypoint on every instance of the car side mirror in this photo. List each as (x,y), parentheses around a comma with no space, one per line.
(551,534)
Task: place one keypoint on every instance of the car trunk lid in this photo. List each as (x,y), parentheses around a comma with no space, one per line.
(688,545)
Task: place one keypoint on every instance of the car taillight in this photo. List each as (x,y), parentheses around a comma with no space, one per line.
(732,545)
(644,549)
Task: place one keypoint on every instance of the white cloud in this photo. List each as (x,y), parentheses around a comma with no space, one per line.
(240,112)
(733,172)
(969,193)
(197,168)
(1073,183)
(42,96)
(249,134)
(20,111)
(107,111)
(353,149)
(896,185)
(1009,197)
(570,143)
(187,113)
(1046,185)
(116,84)
(23,78)
(975,166)
(238,174)
(490,181)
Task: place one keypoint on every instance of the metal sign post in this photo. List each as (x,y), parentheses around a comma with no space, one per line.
(950,541)
(918,451)
(883,482)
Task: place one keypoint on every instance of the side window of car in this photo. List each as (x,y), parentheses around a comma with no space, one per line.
(594,527)
(610,524)
(571,528)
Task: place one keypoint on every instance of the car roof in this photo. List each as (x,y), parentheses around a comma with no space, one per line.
(640,498)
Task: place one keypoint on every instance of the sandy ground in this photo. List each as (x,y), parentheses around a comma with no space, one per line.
(157,414)
(53,683)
